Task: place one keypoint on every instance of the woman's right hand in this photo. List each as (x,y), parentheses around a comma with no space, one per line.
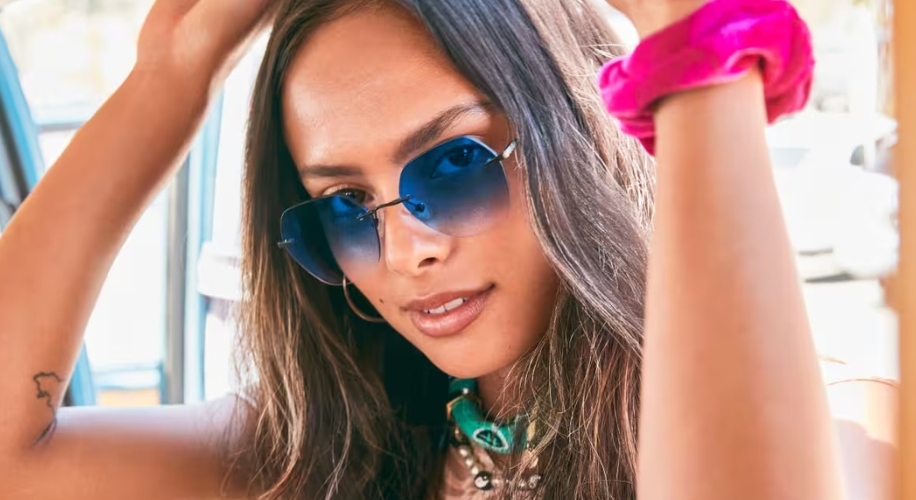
(199,40)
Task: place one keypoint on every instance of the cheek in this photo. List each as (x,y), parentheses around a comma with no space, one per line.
(373,284)
(517,231)
(528,280)
(537,280)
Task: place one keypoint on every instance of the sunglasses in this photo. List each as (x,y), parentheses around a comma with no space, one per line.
(457,188)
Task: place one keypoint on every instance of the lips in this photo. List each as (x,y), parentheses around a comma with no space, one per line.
(448,313)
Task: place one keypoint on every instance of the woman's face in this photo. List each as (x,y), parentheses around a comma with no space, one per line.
(367,93)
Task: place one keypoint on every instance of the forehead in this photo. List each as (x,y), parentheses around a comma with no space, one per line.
(365,81)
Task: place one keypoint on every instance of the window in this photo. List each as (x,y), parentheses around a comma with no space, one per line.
(163,329)
(833,175)
(72,54)
(218,273)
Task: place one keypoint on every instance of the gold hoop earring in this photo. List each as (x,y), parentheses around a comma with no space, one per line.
(363,316)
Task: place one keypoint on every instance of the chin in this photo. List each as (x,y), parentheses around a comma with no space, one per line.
(474,352)
(470,364)
(465,371)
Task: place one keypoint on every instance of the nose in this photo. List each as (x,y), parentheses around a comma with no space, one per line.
(409,247)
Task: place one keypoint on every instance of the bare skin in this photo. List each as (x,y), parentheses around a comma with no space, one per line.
(327,124)
(87,204)
(760,340)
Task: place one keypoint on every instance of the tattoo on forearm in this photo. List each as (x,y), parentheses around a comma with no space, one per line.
(47,384)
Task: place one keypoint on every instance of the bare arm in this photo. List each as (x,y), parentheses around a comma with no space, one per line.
(733,402)
(168,452)
(58,248)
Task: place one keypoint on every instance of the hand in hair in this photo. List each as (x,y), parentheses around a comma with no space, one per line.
(650,16)
(200,39)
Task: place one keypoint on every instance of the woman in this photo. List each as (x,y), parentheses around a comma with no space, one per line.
(450,164)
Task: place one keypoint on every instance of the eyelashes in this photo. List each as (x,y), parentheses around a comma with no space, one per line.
(358,195)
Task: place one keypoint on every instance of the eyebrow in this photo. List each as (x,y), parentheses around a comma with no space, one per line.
(426,133)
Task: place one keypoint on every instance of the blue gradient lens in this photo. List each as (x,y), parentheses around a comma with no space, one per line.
(457,188)
(327,234)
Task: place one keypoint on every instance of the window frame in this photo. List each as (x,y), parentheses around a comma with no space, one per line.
(21,164)
(190,209)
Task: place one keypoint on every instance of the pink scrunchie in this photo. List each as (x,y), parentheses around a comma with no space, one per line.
(718,43)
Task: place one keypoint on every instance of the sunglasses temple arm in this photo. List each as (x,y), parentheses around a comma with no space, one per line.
(506,152)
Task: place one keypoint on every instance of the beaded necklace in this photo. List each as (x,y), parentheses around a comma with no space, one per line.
(471,429)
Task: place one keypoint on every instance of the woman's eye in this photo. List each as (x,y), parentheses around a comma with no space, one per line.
(463,156)
(460,160)
(357,195)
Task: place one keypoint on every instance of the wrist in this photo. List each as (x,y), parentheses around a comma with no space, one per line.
(188,88)
(170,108)
(716,44)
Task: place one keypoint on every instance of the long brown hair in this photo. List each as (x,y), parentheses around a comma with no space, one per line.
(345,409)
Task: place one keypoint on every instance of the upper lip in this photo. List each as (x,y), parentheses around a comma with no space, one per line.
(433,301)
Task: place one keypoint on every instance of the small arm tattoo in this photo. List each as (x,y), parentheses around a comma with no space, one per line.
(46,383)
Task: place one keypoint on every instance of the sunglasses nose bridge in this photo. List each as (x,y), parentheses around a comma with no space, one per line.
(408,245)
(375,211)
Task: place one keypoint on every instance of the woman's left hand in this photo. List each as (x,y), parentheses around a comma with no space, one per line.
(650,16)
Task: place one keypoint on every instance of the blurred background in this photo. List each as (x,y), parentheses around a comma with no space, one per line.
(163,329)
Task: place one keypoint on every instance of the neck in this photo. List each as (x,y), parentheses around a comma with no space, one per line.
(498,400)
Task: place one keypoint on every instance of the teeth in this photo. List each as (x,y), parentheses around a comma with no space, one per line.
(448,306)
